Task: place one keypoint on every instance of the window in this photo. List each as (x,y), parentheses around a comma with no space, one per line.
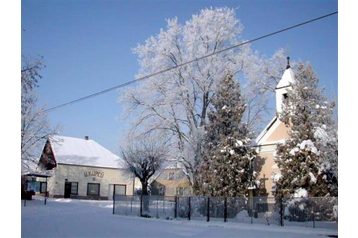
(93,189)
(161,190)
(284,97)
(171,176)
(49,163)
(43,187)
(49,159)
(180,191)
(74,188)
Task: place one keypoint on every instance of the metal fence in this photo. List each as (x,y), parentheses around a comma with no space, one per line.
(308,212)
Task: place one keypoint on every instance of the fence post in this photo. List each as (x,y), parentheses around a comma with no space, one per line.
(126,199)
(132,197)
(163,206)
(189,208)
(114,198)
(25,191)
(281,211)
(225,209)
(141,205)
(175,206)
(208,209)
(313,212)
(251,206)
(157,207)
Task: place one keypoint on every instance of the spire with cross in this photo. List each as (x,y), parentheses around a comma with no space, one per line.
(288,63)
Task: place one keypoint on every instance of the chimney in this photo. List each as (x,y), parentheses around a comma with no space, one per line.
(86,137)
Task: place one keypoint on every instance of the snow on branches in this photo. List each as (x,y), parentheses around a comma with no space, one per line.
(309,158)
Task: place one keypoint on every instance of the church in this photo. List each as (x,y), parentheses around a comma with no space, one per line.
(274,132)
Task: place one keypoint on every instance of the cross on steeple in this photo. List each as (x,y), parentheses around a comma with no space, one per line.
(288,63)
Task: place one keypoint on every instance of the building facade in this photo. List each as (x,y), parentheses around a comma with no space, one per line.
(81,168)
(171,182)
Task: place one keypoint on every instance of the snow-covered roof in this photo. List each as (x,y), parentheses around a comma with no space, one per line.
(287,79)
(87,152)
(172,164)
(28,166)
(265,130)
(37,174)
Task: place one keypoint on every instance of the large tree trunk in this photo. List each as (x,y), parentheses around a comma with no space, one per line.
(145,198)
(144,188)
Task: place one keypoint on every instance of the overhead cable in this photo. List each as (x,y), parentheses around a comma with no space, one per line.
(186,63)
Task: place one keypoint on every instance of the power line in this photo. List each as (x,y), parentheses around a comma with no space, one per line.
(186,63)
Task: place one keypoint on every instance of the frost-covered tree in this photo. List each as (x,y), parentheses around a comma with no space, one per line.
(308,160)
(259,91)
(177,95)
(143,157)
(30,74)
(226,168)
(35,126)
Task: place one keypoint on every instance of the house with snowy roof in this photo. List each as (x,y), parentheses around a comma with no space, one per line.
(274,132)
(82,168)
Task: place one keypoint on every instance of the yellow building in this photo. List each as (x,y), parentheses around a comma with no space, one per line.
(171,182)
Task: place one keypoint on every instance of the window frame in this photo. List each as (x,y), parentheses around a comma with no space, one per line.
(171,175)
(98,189)
(41,189)
(180,191)
(72,188)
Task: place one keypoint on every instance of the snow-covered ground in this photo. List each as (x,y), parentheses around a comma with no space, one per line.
(84,218)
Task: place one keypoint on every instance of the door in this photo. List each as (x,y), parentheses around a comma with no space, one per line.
(120,189)
(67,190)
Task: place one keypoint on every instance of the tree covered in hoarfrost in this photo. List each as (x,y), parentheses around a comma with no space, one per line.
(309,158)
(176,100)
(142,157)
(259,91)
(35,126)
(226,168)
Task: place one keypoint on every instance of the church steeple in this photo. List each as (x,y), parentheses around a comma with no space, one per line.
(287,79)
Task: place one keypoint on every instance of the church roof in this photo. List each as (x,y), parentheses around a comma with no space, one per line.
(288,76)
(287,79)
(267,129)
(87,152)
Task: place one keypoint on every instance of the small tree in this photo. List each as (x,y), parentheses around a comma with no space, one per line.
(226,169)
(308,160)
(142,158)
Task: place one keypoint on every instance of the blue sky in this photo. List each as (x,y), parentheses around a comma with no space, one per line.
(87,45)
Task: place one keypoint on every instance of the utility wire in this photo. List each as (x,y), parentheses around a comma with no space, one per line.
(186,63)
